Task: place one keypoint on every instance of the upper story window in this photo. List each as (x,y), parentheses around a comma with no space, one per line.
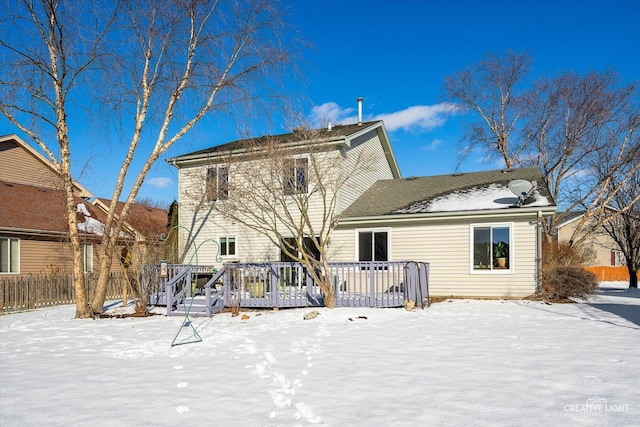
(491,247)
(9,255)
(373,245)
(217,183)
(295,178)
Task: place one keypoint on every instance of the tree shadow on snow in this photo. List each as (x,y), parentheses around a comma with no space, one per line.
(628,308)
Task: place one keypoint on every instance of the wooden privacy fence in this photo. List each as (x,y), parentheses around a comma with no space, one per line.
(28,292)
(610,273)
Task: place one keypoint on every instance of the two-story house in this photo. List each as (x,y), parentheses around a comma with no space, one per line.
(206,176)
(478,239)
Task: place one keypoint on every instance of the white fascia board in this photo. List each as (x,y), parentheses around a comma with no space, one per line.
(569,221)
(432,216)
(386,145)
(213,157)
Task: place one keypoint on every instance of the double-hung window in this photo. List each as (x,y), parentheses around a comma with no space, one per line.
(491,247)
(295,176)
(373,245)
(217,183)
(87,257)
(227,246)
(9,255)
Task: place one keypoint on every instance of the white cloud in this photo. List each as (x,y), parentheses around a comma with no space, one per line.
(160,182)
(329,112)
(433,146)
(419,117)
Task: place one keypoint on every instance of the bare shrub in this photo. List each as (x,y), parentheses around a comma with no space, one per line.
(562,283)
(562,274)
(563,255)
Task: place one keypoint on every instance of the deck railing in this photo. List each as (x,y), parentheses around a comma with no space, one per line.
(284,284)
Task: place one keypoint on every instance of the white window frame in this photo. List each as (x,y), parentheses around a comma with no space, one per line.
(372,230)
(11,256)
(87,255)
(492,270)
(619,259)
(227,237)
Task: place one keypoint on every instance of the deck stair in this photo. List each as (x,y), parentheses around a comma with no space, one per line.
(197,306)
(187,296)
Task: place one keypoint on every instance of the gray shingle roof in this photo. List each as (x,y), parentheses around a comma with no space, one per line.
(337,132)
(401,196)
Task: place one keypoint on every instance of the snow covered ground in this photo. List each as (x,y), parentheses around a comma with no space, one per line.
(460,362)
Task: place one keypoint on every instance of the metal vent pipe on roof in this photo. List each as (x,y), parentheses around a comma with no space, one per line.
(359,111)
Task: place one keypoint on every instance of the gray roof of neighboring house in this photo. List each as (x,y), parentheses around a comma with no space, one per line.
(568,216)
(337,132)
(447,193)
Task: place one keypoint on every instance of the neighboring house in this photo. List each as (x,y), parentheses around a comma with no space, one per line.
(147,226)
(33,225)
(608,262)
(146,223)
(455,222)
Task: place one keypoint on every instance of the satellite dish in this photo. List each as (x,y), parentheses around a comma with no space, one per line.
(522,188)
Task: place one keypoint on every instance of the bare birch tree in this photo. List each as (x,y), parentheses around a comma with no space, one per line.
(491,89)
(624,228)
(585,129)
(163,66)
(288,192)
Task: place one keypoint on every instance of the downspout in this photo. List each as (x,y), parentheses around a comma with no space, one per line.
(539,252)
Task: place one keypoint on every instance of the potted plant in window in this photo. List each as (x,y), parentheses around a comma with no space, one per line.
(500,253)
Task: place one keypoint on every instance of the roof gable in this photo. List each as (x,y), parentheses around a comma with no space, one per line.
(336,135)
(447,193)
(30,167)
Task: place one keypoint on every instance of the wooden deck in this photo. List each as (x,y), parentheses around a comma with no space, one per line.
(201,290)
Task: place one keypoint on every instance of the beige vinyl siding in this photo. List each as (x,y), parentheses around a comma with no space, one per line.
(369,147)
(600,244)
(445,245)
(20,166)
(207,226)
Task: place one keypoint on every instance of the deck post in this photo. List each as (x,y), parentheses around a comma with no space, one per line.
(273,286)
(168,296)
(372,285)
(207,297)
(411,273)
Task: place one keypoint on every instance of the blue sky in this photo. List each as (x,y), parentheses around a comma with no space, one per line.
(396,54)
